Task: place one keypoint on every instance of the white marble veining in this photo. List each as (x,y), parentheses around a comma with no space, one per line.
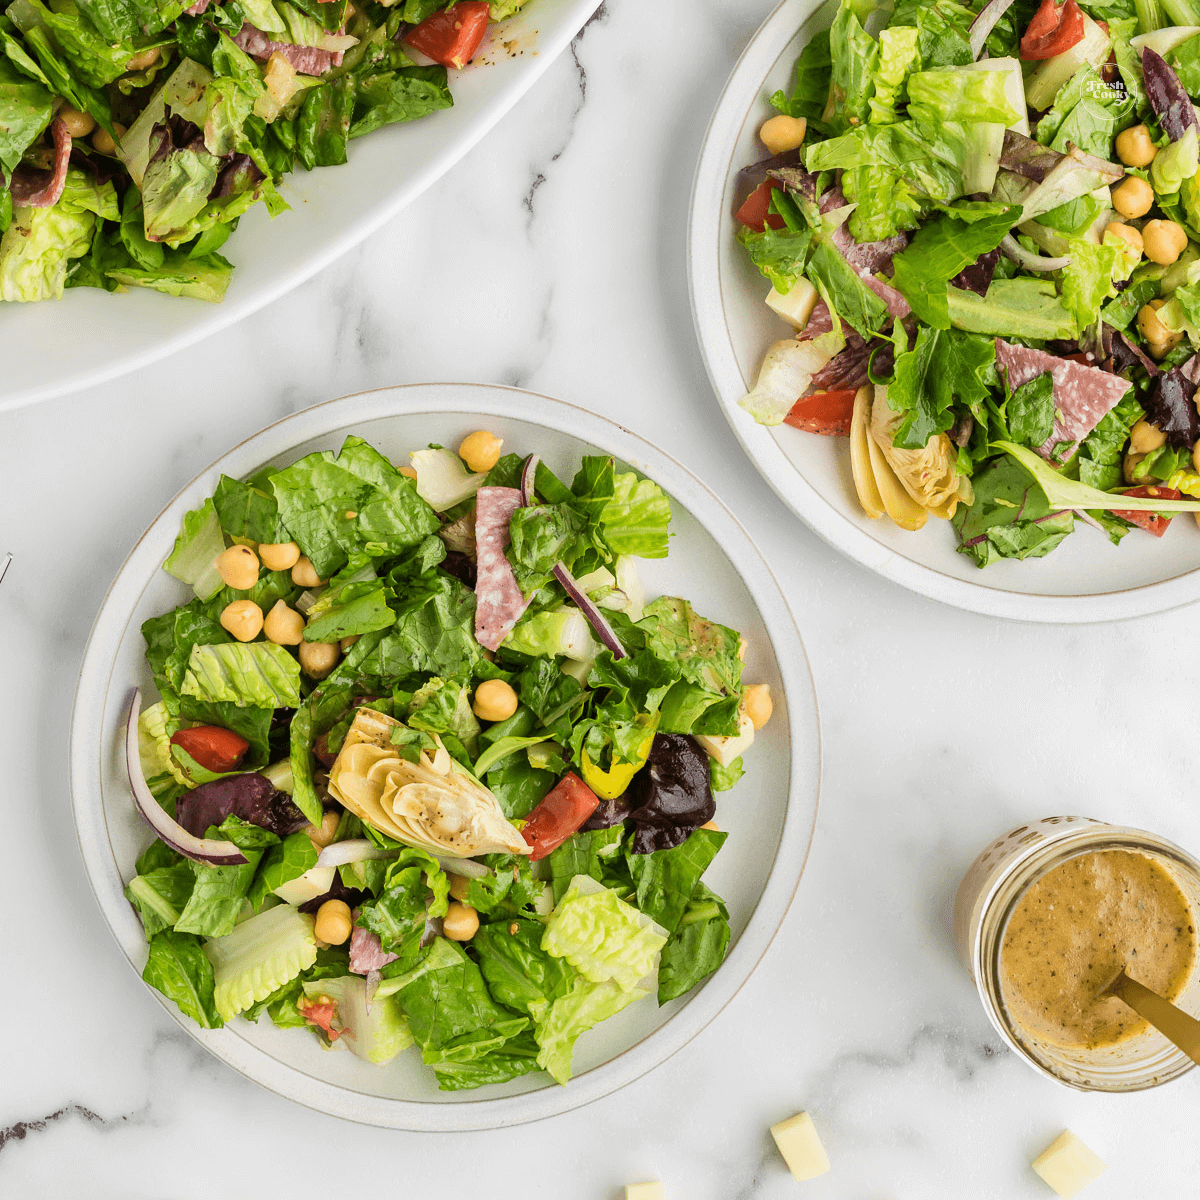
(552,258)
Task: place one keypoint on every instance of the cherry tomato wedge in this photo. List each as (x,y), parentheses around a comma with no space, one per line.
(1052,30)
(452,37)
(320,1015)
(1152,522)
(215,749)
(754,211)
(563,810)
(824,412)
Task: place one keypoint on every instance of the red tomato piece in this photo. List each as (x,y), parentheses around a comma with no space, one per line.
(755,213)
(1052,30)
(824,412)
(215,749)
(563,810)
(452,37)
(320,1015)
(1152,522)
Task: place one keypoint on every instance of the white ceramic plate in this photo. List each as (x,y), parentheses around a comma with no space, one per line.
(333,209)
(1085,579)
(770,818)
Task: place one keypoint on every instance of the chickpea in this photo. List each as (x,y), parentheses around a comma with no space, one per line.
(279,556)
(481,450)
(1134,147)
(322,835)
(242,618)
(238,567)
(102,141)
(1165,241)
(79,124)
(305,574)
(1131,461)
(318,658)
(783,133)
(757,704)
(494,701)
(1144,437)
(284,626)
(333,922)
(147,58)
(1152,329)
(408,472)
(460,887)
(1132,197)
(347,642)
(461,922)
(1126,233)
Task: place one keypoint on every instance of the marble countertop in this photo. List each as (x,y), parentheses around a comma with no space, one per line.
(558,265)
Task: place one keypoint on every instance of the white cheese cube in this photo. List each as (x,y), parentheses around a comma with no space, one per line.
(801,1147)
(726,749)
(316,881)
(645,1191)
(1068,1165)
(796,306)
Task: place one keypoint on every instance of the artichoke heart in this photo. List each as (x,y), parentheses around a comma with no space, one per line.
(432,804)
(929,474)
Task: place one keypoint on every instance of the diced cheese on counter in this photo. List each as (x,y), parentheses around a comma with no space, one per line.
(1068,1165)
(801,1147)
(645,1191)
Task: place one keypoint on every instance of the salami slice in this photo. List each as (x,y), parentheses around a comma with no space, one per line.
(306,59)
(498,600)
(33,188)
(1083,395)
(367,953)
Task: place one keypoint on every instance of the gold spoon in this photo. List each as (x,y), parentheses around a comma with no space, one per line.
(1173,1023)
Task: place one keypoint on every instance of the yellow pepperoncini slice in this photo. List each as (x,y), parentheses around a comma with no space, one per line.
(610,784)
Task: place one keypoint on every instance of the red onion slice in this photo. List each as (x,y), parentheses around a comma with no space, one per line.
(984,23)
(597,620)
(213,851)
(462,866)
(528,475)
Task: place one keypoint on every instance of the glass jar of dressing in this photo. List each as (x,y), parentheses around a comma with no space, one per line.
(1044,919)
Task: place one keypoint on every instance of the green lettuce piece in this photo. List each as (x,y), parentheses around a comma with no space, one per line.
(1090,278)
(697,947)
(281,1004)
(219,894)
(25,110)
(315,494)
(636,519)
(519,787)
(193,560)
(204,278)
(155,726)
(940,250)
(175,187)
(259,674)
(443,706)
(178,967)
(501,10)
(702,651)
(36,249)
(434,631)
(1023,308)
(953,95)
(386,97)
(780,254)
(666,879)
(1029,412)
(397,917)
(899,56)
(1076,215)
(855,56)
(376,1031)
(1103,450)
(498,751)
(593,852)
(885,203)
(283,862)
(509,890)
(259,957)
(602,937)
(542,536)
(1086,113)
(723,778)
(814,69)
(584,1006)
(98,62)
(942,368)
(1175,162)
(362,609)
(246,510)
(943,27)
(518,972)
(160,895)
(323,124)
(843,289)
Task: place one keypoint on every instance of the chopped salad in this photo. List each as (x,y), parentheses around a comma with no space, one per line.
(134,135)
(983,224)
(426,766)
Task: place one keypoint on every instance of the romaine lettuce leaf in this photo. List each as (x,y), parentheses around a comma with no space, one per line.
(899,55)
(666,879)
(361,608)
(443,706)
(25,110)
(257,674)
(584,1006)
(178,967)
(814,69)
(855,55)
(697,947)
(434,631)
(944,95)
(283,862)
(374,1030)
(193,560)
(386,97)
(635,520)
(1021,307)
(518,972)
(160,895)
(162,774)
(397,917)
(37,248)
(593,852)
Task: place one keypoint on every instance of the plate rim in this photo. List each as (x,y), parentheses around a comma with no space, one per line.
(706,220)
(221,316)
(804,777)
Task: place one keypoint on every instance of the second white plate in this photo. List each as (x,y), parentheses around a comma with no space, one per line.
(1085,579)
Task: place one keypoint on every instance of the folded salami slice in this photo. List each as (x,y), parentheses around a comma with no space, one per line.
(33,188)
(1083,395)
(308,60)
(367,953)
(498,600)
